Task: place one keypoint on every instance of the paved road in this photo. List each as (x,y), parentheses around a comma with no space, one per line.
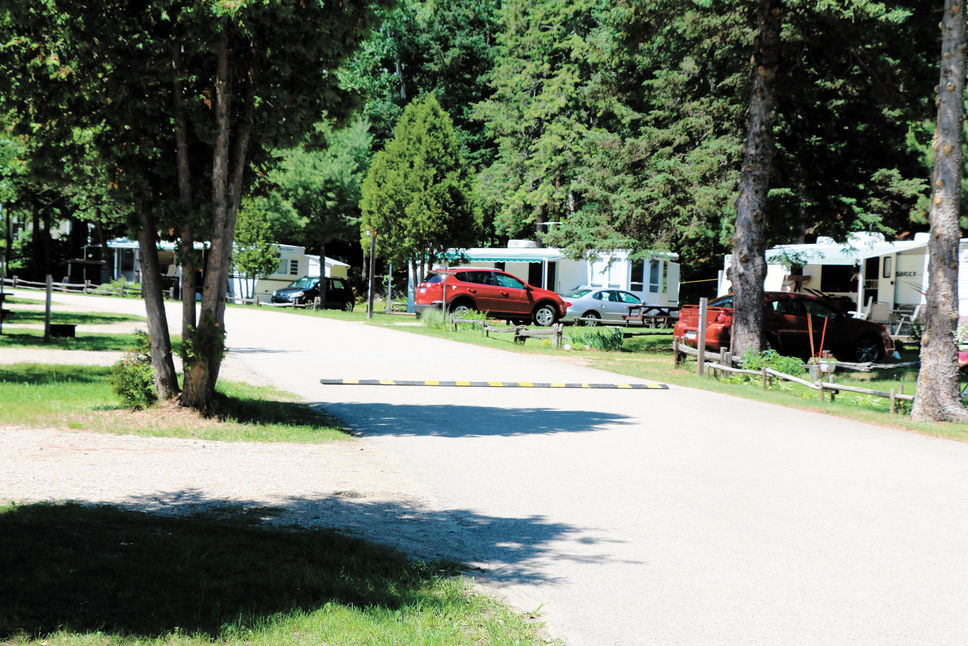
(650,517)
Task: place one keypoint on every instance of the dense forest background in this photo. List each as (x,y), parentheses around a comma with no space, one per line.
(586,125)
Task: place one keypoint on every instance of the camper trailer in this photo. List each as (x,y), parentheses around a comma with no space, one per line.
(882,281)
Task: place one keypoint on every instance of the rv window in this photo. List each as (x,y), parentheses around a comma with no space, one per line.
(838,278)
(637,277)
(888,269)
(293,267)
(655,275)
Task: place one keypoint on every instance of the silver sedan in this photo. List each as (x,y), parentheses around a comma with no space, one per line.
(591,306)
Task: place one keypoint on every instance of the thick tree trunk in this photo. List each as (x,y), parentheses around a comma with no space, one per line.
(748,268)
(937,396)
(208,347)
(166,380)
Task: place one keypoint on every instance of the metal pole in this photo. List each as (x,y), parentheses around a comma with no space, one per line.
(701,337)
(389,287)
(369,292)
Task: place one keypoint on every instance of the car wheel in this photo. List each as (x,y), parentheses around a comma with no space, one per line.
(544,315)
(348,306)
(461,309)
(590,318)
(867,348)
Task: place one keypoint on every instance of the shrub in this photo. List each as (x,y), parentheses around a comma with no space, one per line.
(607,339)
(753,360)
(434,319)
(132,378)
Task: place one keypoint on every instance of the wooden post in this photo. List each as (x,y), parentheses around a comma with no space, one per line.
(701,337)
(893,401)
(87,286)
(765,377)
(50,285)
(556,335)
(820,388)
(676,357)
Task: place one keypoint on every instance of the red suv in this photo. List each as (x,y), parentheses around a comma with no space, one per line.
(786,329)
(489,290)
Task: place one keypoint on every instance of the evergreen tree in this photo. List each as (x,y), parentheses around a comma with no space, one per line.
(417,197)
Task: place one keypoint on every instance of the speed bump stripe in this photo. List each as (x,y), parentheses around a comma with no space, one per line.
(489,384)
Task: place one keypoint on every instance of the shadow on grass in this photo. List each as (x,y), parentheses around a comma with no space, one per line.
(260,410)
(47,374)
(82,569)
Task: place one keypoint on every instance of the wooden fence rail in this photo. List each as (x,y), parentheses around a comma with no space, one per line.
(521,332)
(822,387)
(73,288)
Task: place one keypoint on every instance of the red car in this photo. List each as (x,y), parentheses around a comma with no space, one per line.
(489,290)
(787,331)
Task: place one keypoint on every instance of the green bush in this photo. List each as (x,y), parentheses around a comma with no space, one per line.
(132,378)
(434,319)
(607,339)
(753,360)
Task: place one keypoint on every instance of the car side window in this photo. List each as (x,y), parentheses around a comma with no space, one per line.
(816,308)
(511,282)
(600,296)
(336,283)
(463,276)
(787,306)
(630,299)
(614,297)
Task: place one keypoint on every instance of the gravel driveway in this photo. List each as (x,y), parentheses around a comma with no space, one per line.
(634,517)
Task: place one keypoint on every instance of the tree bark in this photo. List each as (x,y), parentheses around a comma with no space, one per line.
(204,358)
(937,397)
(166,380)
(748,267)
(183,168)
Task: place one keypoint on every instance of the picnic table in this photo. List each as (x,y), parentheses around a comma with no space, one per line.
(654,316)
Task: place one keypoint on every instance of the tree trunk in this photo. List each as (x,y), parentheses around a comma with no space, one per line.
(748,268)
(937,397)
(166,380)
(204,356)
(183,167)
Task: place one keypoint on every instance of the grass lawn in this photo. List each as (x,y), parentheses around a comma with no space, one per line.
(81,397)
(19,317)
(79,575)
(26,338)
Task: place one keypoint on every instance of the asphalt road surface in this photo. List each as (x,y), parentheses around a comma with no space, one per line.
(648,516)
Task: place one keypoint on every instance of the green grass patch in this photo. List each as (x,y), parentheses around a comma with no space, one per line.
(24,338)
(98,575)
(81,397)
(18,317)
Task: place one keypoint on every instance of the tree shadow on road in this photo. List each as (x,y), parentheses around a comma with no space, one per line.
(374,419)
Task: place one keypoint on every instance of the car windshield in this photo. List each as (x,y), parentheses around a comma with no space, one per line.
(303,283)
(434,278)
(578,293)
(722,301)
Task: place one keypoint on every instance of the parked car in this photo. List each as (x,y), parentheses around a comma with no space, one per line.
(489,290)
(591,305)
(786,329)
(339,295)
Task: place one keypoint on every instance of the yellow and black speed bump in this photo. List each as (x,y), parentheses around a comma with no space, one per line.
(488,384)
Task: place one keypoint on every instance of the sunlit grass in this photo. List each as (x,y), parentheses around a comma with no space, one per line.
(81,397)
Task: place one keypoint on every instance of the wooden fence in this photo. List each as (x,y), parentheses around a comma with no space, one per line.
(75,288)
(768,375)
(521,332)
